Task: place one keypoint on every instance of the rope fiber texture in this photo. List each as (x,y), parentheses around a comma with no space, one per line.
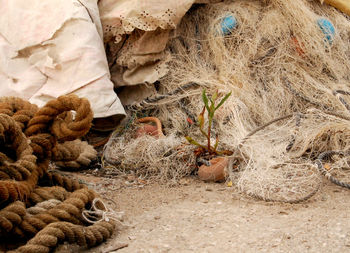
(40,207)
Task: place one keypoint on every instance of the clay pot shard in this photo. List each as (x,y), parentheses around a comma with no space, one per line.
(147,129)
(216,172)
(153,130)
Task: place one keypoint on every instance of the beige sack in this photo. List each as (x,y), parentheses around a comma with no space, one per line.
(53,48)
(137,32)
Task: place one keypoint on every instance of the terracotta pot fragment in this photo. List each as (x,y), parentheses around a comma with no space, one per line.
(147,129)
(153,130)
(216,172)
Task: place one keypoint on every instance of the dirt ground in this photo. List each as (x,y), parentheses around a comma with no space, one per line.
(211,217)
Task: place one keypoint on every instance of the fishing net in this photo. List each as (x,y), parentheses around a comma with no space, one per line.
(166,158)
(278,60)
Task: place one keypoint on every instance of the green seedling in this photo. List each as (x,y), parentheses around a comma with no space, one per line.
(211,109)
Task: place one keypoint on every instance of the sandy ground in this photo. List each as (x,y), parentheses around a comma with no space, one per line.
(211,217)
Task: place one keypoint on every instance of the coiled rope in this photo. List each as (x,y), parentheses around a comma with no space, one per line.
(42,207)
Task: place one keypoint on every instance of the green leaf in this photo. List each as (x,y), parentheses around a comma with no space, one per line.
(223,100)
(201,119)
(201,122)
(204,133)
(216,143)
(212,108)
(215,96)
(193,142)
(211,115)
(224,152)
(205,99)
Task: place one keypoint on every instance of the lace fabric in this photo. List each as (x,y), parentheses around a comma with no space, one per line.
(136,33)
(124,16)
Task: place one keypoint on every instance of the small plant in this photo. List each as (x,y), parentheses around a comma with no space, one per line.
(208,148)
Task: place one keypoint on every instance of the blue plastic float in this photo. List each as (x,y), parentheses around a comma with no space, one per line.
(327,28)
(228,24)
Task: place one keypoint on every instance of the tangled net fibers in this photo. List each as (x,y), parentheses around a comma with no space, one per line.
(276,62)
(38,207)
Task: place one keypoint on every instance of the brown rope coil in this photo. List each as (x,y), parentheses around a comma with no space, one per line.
(12,139)
(69,210)
(86,154)
(20,110)
(63,128)
(57,179)
(36,202)
(67,151)
(42,145)
(43,206)
(11,190)
(41,194)
(11,216)
(59,232)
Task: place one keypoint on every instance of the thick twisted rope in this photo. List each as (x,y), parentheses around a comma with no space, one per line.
(12,139)
(11,190)
(58,232)
(52,198)
(66,151)
(63,128)
(52,178)
(11,216)
(20,110)
(43,206)
(42,145)
(85,154)
(69,210)
(42,194)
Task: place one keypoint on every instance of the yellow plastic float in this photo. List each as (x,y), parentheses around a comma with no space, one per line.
(342,5)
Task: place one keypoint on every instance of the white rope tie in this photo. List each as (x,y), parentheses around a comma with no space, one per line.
(96,214)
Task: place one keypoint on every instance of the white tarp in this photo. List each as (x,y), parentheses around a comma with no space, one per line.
(51,48)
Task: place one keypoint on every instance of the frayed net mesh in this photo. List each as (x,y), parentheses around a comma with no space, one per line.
(276,62)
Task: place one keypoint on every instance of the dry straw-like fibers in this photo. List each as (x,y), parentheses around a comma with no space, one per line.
(38,207)
(276,62)
(165,158)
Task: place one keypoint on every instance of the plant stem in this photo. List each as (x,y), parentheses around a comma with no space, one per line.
(209,132)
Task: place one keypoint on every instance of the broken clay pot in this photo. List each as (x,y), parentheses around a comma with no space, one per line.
(153,130)
(216,172)
(147,129)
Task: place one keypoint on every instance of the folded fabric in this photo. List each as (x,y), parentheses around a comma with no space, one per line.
(53,48)
(136,33)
